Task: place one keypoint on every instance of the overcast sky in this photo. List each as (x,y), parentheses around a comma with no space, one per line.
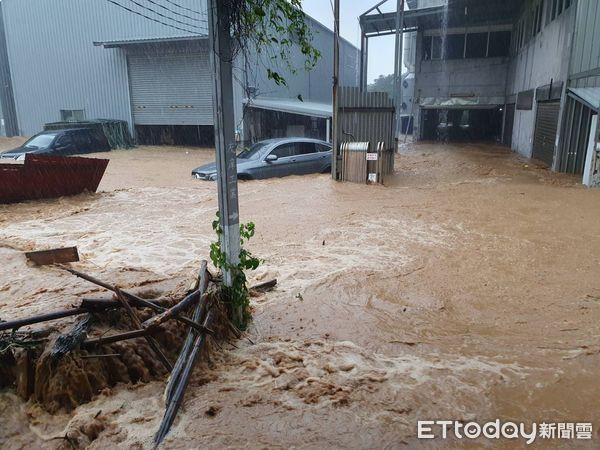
(381,50)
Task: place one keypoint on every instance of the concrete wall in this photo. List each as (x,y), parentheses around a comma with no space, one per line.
(478,80)
(541,60)
(485,77)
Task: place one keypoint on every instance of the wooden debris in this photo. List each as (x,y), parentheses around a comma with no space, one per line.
(100,304)
(138,324)
(66,343)
(179,379)
(177,396)
(54,256)
(16,324)
(264,287)
(133,299)
(174,311)
(102,340)
(199,311)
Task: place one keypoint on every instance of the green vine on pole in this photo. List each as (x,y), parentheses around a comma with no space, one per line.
(237,296)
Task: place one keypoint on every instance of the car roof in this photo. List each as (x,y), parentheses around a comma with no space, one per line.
(66,130)
(292,139)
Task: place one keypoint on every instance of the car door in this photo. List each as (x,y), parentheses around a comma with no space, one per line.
(309,160)
(63,145)
(324,157)
(83,141)
(282,166)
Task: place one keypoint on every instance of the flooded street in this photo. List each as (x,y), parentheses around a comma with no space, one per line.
(467,288)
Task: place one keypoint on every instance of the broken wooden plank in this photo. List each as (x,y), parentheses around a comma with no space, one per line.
(174,311)
(138,324)
(175,402)
(100,304)
(16,324)
(137,301)
(199,311)
(103,340)
(53,256)
(264,287)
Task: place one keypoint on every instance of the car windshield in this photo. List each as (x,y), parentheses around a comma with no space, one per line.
(41,141)
(252,152)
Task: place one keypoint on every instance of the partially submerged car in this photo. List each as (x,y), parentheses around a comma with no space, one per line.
(276,158)
(74,141)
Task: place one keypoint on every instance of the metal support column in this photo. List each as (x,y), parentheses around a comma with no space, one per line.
(398,66)
(364,61)
(221,58)
(336,77)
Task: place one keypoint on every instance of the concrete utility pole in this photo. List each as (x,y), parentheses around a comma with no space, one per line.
(221,58)
(336,77)
(398,66)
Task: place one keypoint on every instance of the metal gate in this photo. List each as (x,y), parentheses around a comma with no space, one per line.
(173,89)
(509,120)
(546,125)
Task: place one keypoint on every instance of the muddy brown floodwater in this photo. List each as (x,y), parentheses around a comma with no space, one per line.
(468,288)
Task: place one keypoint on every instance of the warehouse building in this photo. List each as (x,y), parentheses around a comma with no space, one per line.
(522,72)
(147,63)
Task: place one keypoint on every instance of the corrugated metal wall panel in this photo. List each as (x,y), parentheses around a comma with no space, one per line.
(509,119)
(586,47)
(9,125)
(366,117)
(314,85)
(171,89)
(546,127)
(55,65)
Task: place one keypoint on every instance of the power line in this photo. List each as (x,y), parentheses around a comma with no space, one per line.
(187,9)
(150,18)
(177,13)
(162,15)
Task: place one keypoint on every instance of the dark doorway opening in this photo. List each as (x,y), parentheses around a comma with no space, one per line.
(266,124)
(189,135)
(462,125)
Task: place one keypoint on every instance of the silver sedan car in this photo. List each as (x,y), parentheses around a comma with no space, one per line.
(276,158)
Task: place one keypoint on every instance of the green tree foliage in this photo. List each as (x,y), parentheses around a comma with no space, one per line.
(237,296)
(384,83)
(274,29)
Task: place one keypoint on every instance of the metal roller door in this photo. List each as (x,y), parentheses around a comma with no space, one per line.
(173,89)
(546,126)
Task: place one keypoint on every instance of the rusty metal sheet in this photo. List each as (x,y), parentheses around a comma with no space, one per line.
(44,176)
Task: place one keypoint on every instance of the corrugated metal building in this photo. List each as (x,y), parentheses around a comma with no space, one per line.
(86,59)
(524,72)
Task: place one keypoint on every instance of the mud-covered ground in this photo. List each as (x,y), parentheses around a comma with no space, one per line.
(468,288)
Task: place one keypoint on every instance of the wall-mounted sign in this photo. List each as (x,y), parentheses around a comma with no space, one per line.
(371,156)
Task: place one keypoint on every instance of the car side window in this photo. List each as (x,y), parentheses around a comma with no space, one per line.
(63,141)
(284,150)
(305,148)
(323,148)
(82,140)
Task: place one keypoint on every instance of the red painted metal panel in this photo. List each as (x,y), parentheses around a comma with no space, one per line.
(49,177)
